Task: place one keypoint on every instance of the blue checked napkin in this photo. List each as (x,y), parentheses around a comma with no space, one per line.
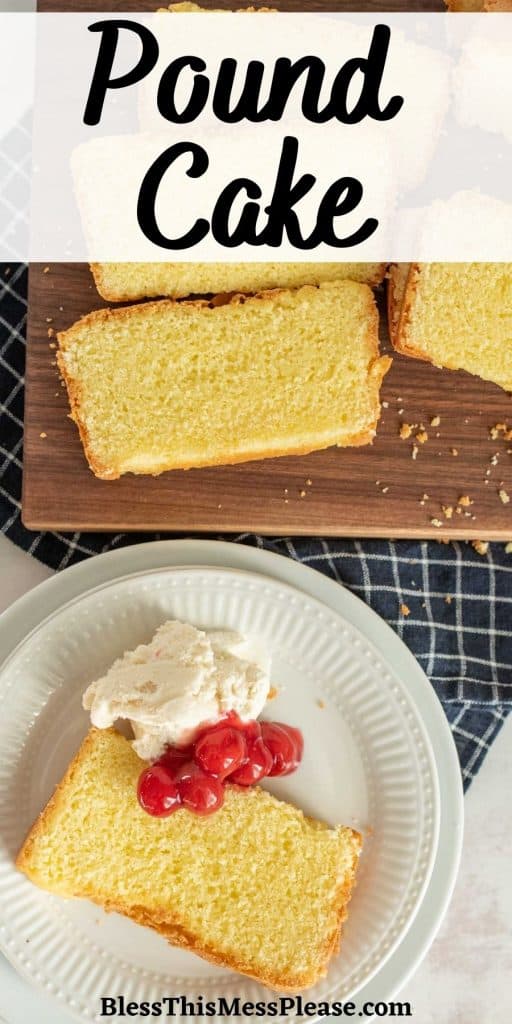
(459,625)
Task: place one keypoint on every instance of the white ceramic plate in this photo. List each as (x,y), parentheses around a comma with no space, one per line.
(368,763)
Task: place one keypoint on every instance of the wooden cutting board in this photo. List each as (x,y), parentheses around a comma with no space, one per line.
(282,5)
(375,491)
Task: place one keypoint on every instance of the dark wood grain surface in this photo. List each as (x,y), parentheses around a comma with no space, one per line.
(281,5)
(375,491)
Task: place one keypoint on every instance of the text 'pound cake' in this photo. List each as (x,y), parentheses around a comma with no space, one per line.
(172,385)
(128,282)
(455,315)
(187,877)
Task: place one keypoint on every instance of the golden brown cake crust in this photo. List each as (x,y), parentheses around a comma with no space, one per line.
(395,288)
(178,936)
(378,368)
(399,335)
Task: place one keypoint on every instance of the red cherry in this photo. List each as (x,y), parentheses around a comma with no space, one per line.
(284,747)
(229,718)
(173,757)
(186,770)
(157,791)
(258,764)
(251,729)
(221,751)
(201,793)
(296,736)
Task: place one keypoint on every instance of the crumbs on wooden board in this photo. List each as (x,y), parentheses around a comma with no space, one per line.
(500,430)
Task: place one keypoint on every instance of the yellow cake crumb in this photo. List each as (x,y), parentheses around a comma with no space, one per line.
(481,546)
(405,431)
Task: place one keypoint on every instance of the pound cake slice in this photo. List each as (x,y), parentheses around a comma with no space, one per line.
(128,282)
(458,315)
(257,887)
(171,385)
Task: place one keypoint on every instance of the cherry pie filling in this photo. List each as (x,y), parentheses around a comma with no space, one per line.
(230,751)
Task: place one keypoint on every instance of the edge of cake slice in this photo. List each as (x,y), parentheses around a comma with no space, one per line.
(129,282)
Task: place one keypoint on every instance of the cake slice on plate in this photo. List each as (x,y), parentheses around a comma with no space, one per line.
(257,887)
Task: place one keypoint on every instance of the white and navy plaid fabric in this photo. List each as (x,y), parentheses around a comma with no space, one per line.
(459,625)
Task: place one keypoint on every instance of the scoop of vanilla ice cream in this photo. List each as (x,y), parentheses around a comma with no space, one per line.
(181,680)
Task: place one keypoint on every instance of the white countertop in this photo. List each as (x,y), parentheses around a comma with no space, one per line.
(465,978)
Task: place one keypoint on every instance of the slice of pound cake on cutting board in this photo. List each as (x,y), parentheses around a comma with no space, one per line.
(173,385)
(128,282)
(455,315)
(187,877)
